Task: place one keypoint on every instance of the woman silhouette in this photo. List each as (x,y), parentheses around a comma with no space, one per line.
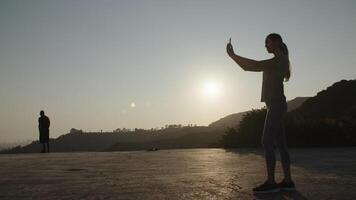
(274,71)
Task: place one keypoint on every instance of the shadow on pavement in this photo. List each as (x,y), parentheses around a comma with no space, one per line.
(296,195)
(338,161)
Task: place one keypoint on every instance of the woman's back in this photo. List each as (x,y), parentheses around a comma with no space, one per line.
(272,82)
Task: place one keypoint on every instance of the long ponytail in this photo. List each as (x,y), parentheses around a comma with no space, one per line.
(284,49)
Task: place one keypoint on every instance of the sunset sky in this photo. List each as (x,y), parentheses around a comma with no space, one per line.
(104,64)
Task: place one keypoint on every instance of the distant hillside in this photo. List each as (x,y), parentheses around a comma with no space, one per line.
(296,103)
(170,137)
(8,145)
(233,120)
(228,121)
(184,137)
(195,137)
(335,101)
(327,119)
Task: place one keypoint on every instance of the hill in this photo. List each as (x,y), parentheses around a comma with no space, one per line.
(228,121)
(327,119)
(233,120)
(78,141)
(139,139)
(335,101)
(296,103)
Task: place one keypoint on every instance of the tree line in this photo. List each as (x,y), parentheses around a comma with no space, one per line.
(326,120)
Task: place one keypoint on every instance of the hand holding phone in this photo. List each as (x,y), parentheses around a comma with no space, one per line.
(229,48)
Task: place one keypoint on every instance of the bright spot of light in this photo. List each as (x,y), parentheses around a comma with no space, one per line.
(211,89)
(133,105)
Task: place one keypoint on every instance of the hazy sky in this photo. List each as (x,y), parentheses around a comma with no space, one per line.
(96,65)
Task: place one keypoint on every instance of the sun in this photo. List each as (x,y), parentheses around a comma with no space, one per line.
(211,89)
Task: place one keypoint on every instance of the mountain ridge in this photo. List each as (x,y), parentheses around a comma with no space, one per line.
(183,137)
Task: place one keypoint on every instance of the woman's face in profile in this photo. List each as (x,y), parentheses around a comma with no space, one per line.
(270,45)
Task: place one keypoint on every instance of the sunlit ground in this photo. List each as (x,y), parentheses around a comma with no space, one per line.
(173,174)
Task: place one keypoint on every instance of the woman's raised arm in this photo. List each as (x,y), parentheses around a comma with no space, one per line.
(249,64)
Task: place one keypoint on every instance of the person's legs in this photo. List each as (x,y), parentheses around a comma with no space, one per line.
(47,146)
(47,139)
(285,159)
(268,145)
(287,183)
(281,143)
(43,148)
(270,165)
(274,135)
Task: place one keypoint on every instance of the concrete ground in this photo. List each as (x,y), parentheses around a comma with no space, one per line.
(319,173)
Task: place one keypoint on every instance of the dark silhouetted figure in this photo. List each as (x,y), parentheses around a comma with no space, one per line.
(275,70)
(43,127)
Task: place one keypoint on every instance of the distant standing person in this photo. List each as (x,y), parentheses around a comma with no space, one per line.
(275,70)
(43,126)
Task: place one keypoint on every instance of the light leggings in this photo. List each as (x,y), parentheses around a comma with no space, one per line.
(274,132)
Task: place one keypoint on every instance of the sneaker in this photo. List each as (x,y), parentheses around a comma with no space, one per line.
(286,186)
(266,188)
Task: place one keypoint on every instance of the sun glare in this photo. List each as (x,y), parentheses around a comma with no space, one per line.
(211,89)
